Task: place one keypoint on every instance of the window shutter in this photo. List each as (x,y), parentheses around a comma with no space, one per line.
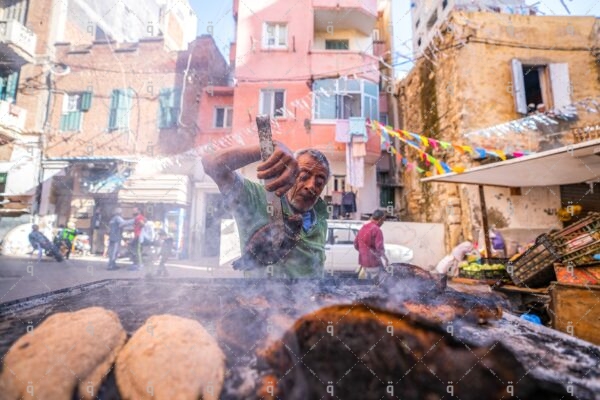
(85,101)
(561,85)
(114,101)
(11,87)
(518,86)
(163,108)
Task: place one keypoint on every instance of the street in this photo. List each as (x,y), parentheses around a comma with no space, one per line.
(24,277)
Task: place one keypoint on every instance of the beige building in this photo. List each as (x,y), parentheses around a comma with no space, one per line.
(486,69)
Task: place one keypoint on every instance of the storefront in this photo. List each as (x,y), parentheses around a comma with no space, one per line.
(164,199)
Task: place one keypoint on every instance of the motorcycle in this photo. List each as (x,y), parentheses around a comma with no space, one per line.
(150,252)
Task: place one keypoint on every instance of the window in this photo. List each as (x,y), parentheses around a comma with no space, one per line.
(383,118)
(169,106)
(387,196)
(74,105)
(376,35)
(120,107)
(444,4)
(272,102)
(343,235)
(275,35)
(417,23)
(432,20)
(8,85)
(337,44)
(419,42)
(534,84)
(223,117)
(345,98)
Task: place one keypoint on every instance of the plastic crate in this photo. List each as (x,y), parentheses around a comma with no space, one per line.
(535,267)
(579,242)
(575,235)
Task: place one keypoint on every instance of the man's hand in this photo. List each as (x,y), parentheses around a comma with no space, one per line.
(281,168)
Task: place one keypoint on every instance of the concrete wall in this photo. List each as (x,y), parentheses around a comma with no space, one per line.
(425,239)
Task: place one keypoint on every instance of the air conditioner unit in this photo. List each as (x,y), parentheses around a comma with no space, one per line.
(71,102)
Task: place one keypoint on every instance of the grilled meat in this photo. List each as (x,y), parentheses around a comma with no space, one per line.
(357,352)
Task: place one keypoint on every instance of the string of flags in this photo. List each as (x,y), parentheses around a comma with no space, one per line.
(421,143)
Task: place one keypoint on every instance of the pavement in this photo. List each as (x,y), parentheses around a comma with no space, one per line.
(22,277)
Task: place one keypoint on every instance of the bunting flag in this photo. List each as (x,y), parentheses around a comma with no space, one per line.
(427,142)
(419,143)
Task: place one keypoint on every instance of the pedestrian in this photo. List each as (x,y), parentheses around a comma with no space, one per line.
(136,245)
(166,248)
(67,235)
(371,250)
(37,241)
(115,235)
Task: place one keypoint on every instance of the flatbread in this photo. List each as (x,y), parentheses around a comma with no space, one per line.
(67,352)
(170,357)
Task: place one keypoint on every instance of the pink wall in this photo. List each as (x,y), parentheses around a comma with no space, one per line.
(254,63)
(209,100)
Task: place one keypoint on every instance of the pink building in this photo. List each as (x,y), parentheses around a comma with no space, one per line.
(315,67)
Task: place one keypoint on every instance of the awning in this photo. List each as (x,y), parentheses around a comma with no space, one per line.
(156,189)
(563,166)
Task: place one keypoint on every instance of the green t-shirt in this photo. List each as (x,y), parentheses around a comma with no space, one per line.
(248,204)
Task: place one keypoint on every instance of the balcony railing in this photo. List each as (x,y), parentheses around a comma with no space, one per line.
(12,118)
(369,6)
(326,63)
(17,42)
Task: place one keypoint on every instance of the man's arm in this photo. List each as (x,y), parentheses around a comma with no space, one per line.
(125,222)
(379,246)
(221,166)
(281,167)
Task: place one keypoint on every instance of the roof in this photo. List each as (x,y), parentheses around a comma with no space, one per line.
(562,166)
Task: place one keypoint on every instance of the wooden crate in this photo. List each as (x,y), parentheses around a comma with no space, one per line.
(575,309)
(577,275)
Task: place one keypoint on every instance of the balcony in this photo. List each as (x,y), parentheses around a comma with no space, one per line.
(326,63)
(17,43)
(12,120)
(360,15)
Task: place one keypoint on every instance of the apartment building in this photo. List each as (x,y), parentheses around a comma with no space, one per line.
(315,67)
(19,137)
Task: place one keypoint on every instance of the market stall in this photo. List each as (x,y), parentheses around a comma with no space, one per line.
(557,258)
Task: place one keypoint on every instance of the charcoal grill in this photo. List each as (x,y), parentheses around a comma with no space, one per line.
(550,355)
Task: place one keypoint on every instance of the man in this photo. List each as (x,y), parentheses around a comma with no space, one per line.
(297,180)
(115,235)
(38,241)
(67,235)
(369,243)
(138,224)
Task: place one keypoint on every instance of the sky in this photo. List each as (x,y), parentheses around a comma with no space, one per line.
(216,18)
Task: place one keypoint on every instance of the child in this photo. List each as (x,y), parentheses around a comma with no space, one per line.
(166,247)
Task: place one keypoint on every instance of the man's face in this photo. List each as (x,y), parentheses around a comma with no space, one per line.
(309,184)
(136,211)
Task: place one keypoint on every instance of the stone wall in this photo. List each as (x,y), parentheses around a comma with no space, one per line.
(463,84)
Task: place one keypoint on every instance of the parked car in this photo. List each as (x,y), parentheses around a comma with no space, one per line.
(341,257)
(339,248)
